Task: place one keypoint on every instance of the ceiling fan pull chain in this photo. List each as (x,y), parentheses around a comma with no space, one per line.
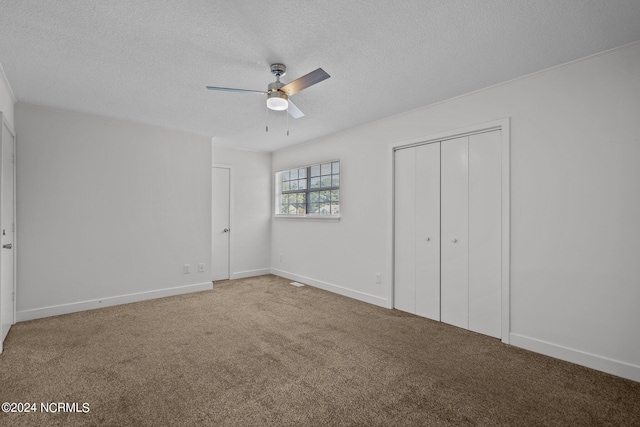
(287,119)
(267,126)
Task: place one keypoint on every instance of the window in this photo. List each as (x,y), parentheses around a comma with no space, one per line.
(309,191)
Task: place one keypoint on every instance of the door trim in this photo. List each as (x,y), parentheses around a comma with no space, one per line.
(504,126)
(231,215)
(4,122)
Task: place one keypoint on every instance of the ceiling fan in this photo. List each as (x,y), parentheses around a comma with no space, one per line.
(278,93)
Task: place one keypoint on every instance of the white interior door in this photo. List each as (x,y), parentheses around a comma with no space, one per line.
(404,297)
(455,232)
(221,224)
(427,244)
(6,232)
(485,224)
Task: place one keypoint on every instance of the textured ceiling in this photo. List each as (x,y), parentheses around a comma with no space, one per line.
(150,60)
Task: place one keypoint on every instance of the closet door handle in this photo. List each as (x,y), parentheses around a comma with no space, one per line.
(455,240)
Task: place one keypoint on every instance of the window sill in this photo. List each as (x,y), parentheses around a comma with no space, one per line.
(309,217)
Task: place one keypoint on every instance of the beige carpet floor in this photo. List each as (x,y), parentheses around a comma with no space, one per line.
(260,352)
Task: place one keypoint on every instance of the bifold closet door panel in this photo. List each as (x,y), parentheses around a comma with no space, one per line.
(485,223)
(454,284)
(428,231)
(405,230)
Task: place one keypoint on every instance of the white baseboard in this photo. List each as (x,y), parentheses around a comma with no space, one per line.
(250,273)
(55,310)
(360,296)
(593,361)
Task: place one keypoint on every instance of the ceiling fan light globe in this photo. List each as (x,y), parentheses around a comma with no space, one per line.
(277,102)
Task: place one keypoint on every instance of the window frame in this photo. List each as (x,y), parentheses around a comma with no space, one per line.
(279,192)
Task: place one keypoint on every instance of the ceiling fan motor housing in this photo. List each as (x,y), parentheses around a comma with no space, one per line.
(276,99)
(274,94)
(275,86)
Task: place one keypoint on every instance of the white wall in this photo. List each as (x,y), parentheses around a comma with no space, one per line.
(7,99)
(251,228)
(575,204)
(342,256)
(108,211)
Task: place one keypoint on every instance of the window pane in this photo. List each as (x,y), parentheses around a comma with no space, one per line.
(302,203)
(307,190)
(292,204)
(335,202)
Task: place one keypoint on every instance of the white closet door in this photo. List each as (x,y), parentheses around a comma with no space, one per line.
(405,230)
(455,232)
(485,233)
(427,236)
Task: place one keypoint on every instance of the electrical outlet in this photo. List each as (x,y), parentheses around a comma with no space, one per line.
(186,269)
(201,267)
(378,278)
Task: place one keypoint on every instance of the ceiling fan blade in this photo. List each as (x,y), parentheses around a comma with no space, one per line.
(294,111)
(230,89)
(305,81)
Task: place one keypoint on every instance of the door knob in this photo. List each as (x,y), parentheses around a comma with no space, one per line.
(428,238)
(455,240)
(226,230)
(7,246)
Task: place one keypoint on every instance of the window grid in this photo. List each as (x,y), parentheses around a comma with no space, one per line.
(313,190)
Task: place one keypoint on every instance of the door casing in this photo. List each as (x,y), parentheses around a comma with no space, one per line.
(9,228)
